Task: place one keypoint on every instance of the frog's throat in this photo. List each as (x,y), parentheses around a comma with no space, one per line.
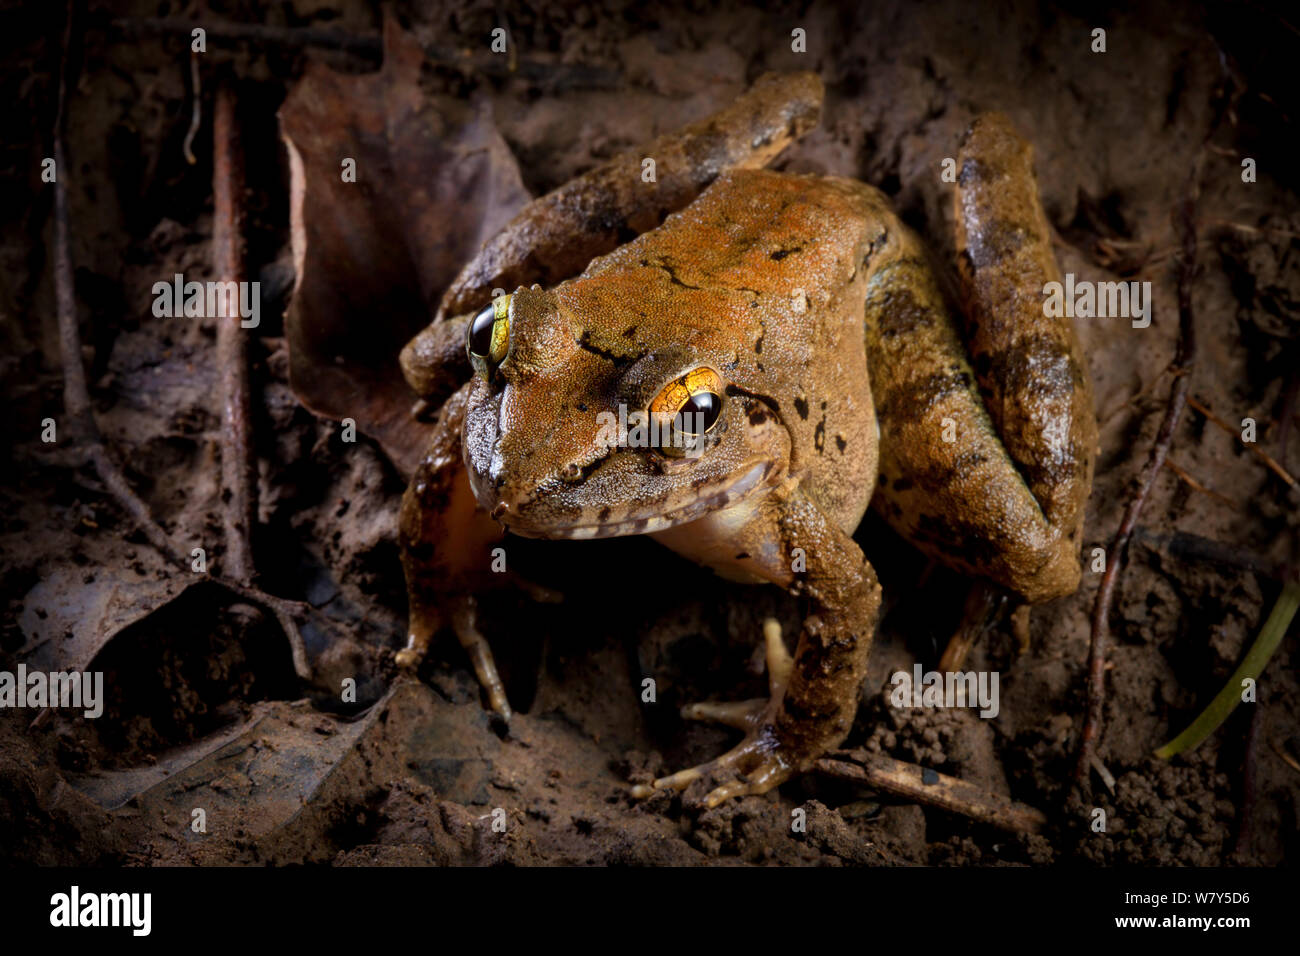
(755,480)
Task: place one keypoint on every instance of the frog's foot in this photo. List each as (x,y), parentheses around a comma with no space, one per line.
(747,715)
(464,622)
(760,757)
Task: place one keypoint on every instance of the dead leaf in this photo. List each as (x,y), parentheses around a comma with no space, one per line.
(434,179)
(256,775)
(68,621)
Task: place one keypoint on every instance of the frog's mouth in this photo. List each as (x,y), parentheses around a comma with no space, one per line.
(752,480)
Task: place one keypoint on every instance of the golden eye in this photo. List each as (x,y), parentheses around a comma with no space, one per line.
(488,337)
(686,408)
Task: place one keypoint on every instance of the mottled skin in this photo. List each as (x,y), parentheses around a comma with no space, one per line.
(555,237)
(840,358)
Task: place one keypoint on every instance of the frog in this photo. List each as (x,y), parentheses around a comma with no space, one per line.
(789,355)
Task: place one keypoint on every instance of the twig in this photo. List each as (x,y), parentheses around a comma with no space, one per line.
(238,475)
(1243,227)
(931,787)
(1195,485)
(76,396)
(1249,446)
(1132,399)
(196,109)
(980,612)
(1184,355)
(286,613)
(1107,777)
(1249,784)
(553,76)
(1193,547)
(1281,751)
(1289,395)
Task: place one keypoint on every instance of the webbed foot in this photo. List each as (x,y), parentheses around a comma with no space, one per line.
(762,759)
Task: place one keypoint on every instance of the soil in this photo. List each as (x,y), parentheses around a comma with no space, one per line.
(205,720)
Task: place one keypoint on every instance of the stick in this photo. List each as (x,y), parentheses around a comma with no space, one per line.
(1184,355)
(196,110)
(1193,547)
(932,788)
(76,398)
(76,394)
(551,76)
(1249,785)
(238,474)
(1249,446)
(1195,485)
(1289,396)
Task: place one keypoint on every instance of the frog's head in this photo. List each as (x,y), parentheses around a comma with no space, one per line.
(588,418)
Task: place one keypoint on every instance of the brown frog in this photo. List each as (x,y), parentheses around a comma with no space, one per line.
(774,349)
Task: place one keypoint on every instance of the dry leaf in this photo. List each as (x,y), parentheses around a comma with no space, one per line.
(434,180)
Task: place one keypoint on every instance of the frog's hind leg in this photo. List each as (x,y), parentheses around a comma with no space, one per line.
(984,468)
(1029,365)
(555,236)
(746,714)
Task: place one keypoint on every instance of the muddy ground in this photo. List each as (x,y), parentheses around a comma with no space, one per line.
(203,708)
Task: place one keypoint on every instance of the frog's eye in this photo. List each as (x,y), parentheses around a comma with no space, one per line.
(686,409)
(489,335)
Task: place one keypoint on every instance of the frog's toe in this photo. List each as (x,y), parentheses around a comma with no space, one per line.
(684,778)
(464,621)
(779,661)
(770,772)
(757,758)
(743,715)
(538,592)
(677,781)
(760,759)
(423,624)
(747,715)
(485,668)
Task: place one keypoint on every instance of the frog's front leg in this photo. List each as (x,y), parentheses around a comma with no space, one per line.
(814,695)
(446,542)
(434,362)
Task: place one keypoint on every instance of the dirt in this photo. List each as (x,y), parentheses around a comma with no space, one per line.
(204,716)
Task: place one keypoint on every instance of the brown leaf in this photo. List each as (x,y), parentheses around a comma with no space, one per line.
(259,773)
(434,180)
(68,621)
